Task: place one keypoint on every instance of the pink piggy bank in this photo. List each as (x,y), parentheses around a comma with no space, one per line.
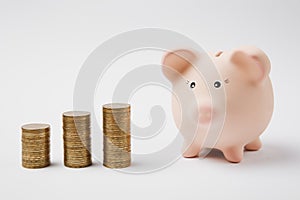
(249,99)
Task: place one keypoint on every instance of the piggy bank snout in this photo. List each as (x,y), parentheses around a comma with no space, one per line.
(205,113)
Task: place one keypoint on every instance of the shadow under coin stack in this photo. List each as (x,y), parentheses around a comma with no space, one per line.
(35,145)
(77,141)
(116,137)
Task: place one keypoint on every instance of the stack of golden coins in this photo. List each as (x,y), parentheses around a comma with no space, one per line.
(35,145)
(116,137)
(77,141)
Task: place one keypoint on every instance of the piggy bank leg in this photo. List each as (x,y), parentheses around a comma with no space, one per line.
(192,151)
(254,145)
(234,154)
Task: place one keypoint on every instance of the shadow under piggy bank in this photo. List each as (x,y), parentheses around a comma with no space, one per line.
(269,154)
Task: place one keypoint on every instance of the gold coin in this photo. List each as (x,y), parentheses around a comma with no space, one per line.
(77,140)
(76,114)
(36,127)
(35,145)
(116,135)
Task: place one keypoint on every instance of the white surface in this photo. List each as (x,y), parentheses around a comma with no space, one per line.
(43,45)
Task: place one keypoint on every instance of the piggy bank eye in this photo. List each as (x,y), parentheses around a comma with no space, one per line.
(217,84)
(192,85)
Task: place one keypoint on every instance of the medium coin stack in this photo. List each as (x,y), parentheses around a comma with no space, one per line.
(116,137)
(35,145)
(77,141)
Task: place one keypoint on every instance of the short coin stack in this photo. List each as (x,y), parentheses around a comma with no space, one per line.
(116,137)
(35,145)
(77,141)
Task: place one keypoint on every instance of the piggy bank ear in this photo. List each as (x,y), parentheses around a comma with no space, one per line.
(175,63)
(253,61)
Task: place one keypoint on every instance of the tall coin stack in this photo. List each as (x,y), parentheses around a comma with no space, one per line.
(35,145)
(77,141)
(116,137)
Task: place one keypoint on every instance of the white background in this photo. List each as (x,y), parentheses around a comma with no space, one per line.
(43,45)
